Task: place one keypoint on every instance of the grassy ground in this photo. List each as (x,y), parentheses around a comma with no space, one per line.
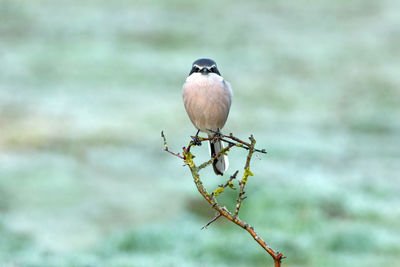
(86,88)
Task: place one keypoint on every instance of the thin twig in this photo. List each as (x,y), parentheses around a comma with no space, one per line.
(166,147)
(221,187)
(240,143)
(205,164)
(212,220)
(233,176)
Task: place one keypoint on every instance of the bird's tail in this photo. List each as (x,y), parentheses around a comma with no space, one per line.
(221,163)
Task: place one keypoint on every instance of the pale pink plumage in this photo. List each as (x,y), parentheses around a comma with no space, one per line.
(207,100)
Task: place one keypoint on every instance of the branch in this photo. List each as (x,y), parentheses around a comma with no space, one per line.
(212,220)
(223,151)
(222,187)
(166,146)
(232,141)
(246,174)
(241,143)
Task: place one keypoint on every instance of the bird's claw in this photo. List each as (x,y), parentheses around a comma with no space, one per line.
(196,141)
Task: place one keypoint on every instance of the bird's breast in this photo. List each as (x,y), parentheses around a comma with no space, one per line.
(207,100)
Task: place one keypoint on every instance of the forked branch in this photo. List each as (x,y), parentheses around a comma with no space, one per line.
(231,141)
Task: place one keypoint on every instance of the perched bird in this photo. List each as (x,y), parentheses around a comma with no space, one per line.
(207,98)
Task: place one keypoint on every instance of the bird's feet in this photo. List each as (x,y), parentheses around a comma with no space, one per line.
(217,133)
(196,141)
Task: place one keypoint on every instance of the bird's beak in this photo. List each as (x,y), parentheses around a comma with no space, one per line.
(204,71)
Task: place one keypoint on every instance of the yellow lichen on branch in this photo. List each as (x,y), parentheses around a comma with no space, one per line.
(232,141)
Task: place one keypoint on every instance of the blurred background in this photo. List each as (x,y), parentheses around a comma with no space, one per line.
(87,86)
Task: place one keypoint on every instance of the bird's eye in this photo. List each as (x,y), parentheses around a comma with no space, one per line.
(212,69)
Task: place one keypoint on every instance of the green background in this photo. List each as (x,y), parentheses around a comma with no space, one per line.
(87,86)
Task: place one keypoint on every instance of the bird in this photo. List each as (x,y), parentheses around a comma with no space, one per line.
(207,98)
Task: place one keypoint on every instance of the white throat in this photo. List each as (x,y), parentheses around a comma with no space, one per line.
(204,79)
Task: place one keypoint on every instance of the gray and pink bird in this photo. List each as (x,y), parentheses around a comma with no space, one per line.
(207,98)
